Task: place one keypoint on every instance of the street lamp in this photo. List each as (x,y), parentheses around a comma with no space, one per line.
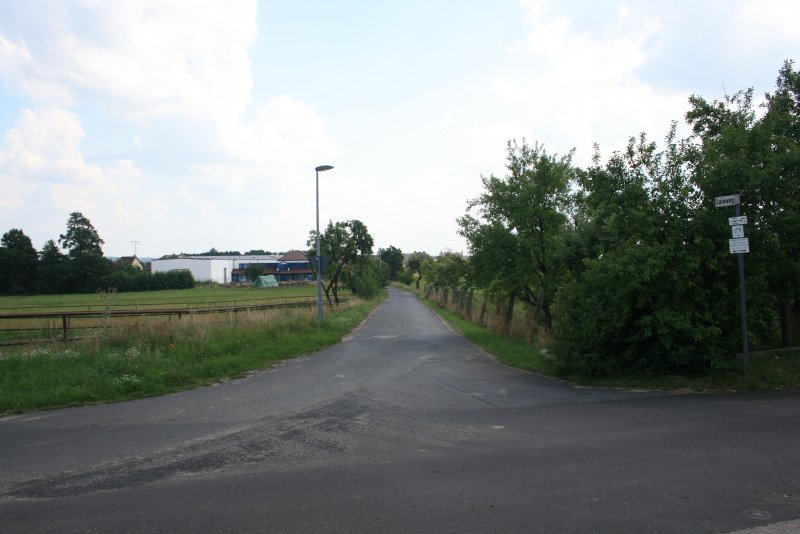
(319,169)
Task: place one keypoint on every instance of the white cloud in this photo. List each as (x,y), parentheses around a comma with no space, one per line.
(149,63)
(44,145)
(768,21)
(285,132)
(582,88)
(152,57)
(43,175)
(175,58)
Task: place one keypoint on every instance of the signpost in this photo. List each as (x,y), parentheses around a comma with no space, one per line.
(739,245)
(730,200)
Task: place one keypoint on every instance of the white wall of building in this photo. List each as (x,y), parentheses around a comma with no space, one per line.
(209,268)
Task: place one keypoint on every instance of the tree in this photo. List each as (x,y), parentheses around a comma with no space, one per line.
(253,271)
(348,244)
(448,270)
(363,277)
(52,269)
(781,125)
(416,260)
(18,263)
(737,152)
(86,265)
(516,236)
(81,238)
(650,296)
(393,257)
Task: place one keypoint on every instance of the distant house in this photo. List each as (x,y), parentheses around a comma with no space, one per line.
(130,261)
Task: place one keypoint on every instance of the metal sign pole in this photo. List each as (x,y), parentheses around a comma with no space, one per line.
(740,246)
(743,298)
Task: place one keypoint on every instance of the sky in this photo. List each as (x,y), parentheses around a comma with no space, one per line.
(182,125)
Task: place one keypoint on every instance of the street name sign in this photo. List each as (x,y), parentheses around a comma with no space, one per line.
(730,200)
(739,246)
(735,221)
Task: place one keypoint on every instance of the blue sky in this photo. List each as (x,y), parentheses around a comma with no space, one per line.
(187,125)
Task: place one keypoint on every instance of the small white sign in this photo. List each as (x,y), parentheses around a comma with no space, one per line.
(735,221)
(730,200)
(739,246)
(737,231)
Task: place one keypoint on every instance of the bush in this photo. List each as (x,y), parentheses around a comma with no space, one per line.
(405,277)
(131,279)
(636,312)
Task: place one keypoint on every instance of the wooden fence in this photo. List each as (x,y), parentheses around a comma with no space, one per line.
(498,314)
(14,327)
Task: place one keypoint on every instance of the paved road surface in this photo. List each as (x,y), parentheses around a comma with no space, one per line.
(405,427)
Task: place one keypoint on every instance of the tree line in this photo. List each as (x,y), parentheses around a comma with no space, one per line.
(82,268)
(625,263)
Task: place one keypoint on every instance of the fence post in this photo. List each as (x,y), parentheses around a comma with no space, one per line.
(65,326)
(482,313)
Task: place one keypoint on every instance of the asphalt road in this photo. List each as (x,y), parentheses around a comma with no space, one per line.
(405,427)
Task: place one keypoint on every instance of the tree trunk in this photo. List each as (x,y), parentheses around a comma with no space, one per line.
(497,315)
(530,324)
(543,315)
(509,315)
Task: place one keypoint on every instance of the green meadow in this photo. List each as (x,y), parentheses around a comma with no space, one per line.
(146,359)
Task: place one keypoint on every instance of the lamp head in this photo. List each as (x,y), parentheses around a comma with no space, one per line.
(323,168)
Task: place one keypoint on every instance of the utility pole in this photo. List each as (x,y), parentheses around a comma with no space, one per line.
(135,245)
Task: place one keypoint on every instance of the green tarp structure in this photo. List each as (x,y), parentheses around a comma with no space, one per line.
(266,281)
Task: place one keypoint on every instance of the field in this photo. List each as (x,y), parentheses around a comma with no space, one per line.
(141,358)
(197,297)
(78,315)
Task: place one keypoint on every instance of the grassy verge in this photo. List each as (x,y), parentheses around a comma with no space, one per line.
(766,372)
(121,365)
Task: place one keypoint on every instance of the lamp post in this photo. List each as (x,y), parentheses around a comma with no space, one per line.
(319,169)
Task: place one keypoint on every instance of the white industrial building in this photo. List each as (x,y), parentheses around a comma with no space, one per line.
(293,266)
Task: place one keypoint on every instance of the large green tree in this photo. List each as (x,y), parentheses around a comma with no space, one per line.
(86,265)
(18,263)
(516,228)
(738,151)
(349,245)
(416,260)
(449,269)
(393,258)
(52,269)
(647,296)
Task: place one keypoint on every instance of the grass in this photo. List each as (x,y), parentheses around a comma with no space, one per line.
(771,372)
(127,364)
(42,328)
(198,296)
